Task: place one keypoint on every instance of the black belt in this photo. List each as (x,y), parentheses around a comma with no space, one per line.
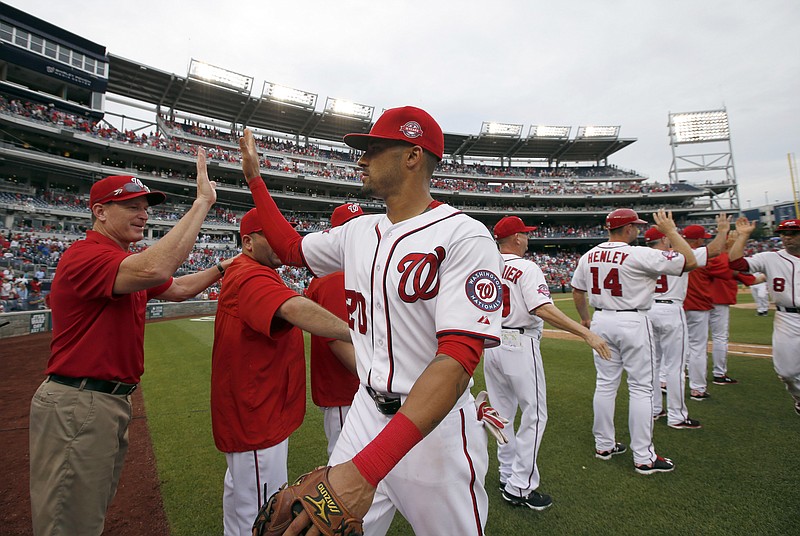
(788,309)
(90,384)
(618,310)
(386,404)
(664,301)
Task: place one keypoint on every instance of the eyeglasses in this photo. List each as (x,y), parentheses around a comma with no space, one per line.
(129,187)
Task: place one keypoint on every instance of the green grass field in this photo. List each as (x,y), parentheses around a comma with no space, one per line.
(735,476)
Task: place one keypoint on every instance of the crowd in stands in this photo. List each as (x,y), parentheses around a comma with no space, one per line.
(286,156)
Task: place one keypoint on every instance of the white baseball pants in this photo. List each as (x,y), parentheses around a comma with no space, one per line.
(333,418)
(629,335)
(785,356)
(760,296)
(252,477)
(671,341)
(718,321)
(515,379)
(439,485)
(697,326)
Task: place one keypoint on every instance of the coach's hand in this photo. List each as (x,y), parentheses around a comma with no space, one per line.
(664,221)
(250,163)
(745,226)
(206,189)
(356,493)
(723,223)
(598,344)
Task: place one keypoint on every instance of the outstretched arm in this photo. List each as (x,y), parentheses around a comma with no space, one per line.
(717,246)
(554,316)
(666,225)
(155,265)
(582,305)
(744,228)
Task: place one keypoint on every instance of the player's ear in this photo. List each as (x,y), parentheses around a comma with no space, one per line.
(415,157)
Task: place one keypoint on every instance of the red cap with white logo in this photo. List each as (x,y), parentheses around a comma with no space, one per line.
(408,124)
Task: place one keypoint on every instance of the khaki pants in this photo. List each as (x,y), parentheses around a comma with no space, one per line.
(78,441)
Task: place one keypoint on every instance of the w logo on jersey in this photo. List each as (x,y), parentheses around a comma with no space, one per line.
(420,279)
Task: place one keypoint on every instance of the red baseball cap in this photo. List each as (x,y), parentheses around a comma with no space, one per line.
(510,225)
(788,226)
(694,232)
(653,234)
(121,188)
(250,223)
(344,213)
(408,124)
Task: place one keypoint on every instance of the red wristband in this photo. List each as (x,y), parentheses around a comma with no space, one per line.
(384,452)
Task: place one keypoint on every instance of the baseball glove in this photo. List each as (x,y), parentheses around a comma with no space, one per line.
(313,493)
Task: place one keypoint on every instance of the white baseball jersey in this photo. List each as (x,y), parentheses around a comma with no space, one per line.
(783,275)
(608,286)
(524,290)
(406,284)
(673,287)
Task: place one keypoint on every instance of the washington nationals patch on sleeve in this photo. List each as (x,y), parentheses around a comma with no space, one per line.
(484,290)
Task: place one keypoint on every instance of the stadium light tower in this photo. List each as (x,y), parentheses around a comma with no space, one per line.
(218,76)
(701,146)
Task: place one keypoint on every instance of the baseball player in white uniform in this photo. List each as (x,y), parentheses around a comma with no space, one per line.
(514,372)
(782,269)
(669,327)
(423,297)
(619,280)
(760,295)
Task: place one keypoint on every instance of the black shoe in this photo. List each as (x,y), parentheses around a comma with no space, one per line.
(663,388)
(724,380)
(797,407)
(619,448)
(762,313)
(533,500)
(661,465)
(688,424)
(502,486)
(662,413)
(698,395)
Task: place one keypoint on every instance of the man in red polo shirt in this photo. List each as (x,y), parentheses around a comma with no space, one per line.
(258,375)
(333,384)
(80,414)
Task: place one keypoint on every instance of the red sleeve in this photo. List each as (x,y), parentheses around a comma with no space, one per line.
(746,279)
(466,350)
(260,297)
(718,267)
(280,234)
(739,264)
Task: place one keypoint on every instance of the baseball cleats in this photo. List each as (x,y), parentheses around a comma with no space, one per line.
(661,465)
(533,500)
(797,407)
(688,424)
(663,388)
(502,486)
(619,448)
(724,380)
(662,413)
(699,395)
(762,313)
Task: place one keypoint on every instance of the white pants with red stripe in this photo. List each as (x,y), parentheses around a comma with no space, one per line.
(785,357)
(697,359)
(629,336)
(333,418)
(252,477)
(439,485)
(515,379)
(671,341)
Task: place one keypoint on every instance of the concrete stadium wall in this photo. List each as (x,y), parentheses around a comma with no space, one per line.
(22,323)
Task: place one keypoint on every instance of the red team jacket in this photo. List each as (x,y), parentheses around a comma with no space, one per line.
(331,383)
(698,293)
(258,379)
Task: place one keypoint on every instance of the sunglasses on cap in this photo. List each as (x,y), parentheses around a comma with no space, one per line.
(128,187)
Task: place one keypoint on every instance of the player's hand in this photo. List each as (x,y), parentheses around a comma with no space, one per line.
(732,236)
(490,418)
(352,488)
(723,223)
(250,162)
(586,323)
(206,189)
(599,345)
(664,221)
(745,226)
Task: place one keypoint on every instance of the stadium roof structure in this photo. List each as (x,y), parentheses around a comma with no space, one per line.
(297,115)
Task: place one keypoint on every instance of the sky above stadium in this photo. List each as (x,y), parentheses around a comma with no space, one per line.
(573,63)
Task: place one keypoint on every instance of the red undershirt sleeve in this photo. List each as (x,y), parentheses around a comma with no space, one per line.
(280,234)
(739,265)
(466,350)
